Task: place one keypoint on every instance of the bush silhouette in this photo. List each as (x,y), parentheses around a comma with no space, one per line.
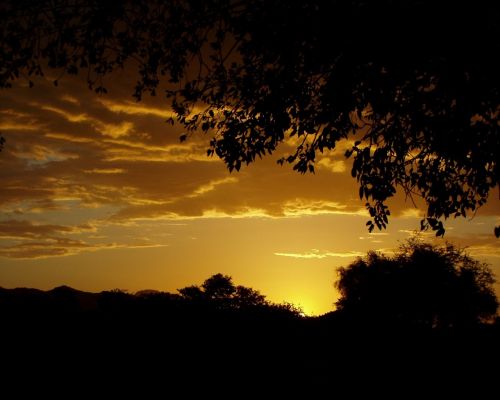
(421,286)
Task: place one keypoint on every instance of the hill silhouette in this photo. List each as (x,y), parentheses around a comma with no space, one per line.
(211,338)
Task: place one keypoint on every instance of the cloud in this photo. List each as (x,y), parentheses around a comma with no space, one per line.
(315,253)
(71,156)
(58,247)
(21,229)
(303,206)
(104,171)
(479,245)
(210,186)
(335,166)
(161,213)
(17,126)
(38,154)
(131,108)
(113,130)
(412,213)
(68,137)
(139,151)
(39,250)
(70,99)
(69,116)
(138,166)
(27,240)
(15,120)
(244,212)
(484,250)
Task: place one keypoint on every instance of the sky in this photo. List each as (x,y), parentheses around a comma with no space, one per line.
(98,193)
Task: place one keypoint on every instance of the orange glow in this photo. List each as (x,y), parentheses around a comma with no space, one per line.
(98,193)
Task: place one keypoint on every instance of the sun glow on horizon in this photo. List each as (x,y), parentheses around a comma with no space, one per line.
(98,193)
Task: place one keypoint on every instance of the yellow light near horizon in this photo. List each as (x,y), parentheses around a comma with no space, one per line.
(309,307)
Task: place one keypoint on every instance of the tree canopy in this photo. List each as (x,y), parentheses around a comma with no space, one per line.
(219,290)
(412,87)
(421,285)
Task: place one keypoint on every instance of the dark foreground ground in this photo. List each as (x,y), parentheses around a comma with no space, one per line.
(73,347)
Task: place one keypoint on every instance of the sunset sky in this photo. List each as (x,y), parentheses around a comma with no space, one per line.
(98,193)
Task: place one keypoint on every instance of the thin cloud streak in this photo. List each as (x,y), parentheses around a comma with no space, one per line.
(20,229)
(320,255)
(135,109)
(301,207)
(61,247)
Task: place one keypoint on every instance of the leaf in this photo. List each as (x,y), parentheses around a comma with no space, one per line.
(440,232)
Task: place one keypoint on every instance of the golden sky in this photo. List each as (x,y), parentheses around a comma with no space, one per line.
(98,193)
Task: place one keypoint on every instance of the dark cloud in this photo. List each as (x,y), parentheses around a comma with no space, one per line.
(26,229)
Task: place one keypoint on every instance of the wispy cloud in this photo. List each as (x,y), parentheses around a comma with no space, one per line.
(69,116)
(70,99)
(104,171)
(68,137)
(27,240)
(314,253)
(18,121)
(17,126)
(20,229)
(411,213)
(335,166)
(161,213)
(40,154)
(135,109)
(43,249)
(115,131)
(484,250)
(478,245)
(139,151)
(210,186)
(300,207)
(59,247)
(124,128)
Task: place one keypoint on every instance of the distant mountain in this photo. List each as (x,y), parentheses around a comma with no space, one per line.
(64,289)
(61,298)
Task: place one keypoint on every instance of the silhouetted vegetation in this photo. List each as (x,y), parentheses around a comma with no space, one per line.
(409,317)
(421,286)
(413,85)
(216,294)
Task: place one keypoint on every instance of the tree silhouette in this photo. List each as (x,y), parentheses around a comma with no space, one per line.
(219,287)
(219,290)
(192,293)
(248,297)
(422,285)
(412,87)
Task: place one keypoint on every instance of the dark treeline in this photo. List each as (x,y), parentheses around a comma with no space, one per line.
(217,295)
(392,328)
